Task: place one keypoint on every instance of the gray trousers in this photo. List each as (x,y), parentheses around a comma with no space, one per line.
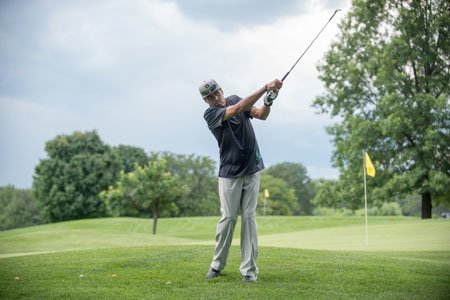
(236,194)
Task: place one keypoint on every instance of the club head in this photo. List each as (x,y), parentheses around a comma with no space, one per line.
(334,14)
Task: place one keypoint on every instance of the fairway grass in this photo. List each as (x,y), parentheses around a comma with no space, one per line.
(407,258)
(169,272)
(325,233)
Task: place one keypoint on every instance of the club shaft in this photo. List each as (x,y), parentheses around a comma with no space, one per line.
(286,75)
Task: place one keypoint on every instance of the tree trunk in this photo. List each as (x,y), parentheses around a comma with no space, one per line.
(155,220)
(426,205)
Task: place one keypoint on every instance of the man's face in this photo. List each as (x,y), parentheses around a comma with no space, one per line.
(216,99)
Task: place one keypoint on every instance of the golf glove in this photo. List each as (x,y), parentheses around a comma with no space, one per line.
(269,97)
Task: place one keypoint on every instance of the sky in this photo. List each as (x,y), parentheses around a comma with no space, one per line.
(130,69)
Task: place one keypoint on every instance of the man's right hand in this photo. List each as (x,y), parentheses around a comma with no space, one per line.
(274,85)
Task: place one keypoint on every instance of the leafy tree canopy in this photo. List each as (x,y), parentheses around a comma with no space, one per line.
(387,79)
(150,189)
(198,174)
(18,208)
(295,175)
(67,183)
(281,201)
(129,156)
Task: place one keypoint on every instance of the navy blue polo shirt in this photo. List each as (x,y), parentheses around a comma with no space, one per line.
(239,151)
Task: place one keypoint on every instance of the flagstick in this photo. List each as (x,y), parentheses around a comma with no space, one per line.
(365,197)
(265,200)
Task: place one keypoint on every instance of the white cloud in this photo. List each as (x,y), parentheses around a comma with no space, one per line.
(131,70)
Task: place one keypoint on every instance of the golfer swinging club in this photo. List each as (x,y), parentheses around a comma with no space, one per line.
(239,171)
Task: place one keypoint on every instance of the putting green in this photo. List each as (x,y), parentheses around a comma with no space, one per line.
(426,235)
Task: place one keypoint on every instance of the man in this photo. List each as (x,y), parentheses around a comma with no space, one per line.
(239,171)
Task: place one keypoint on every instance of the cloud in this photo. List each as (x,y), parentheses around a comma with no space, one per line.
(229,15)
(25,126)
(237,14)
(131,70)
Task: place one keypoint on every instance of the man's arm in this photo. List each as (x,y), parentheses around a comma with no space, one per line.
(260,113)
(248,102)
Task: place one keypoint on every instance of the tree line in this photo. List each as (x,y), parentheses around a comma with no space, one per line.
(82,177)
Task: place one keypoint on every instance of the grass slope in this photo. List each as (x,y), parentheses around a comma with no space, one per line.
(329,233)
(168,272)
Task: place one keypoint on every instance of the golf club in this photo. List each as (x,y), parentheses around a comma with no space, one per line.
(273,94)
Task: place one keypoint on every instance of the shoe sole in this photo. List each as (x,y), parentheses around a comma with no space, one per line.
(249,280)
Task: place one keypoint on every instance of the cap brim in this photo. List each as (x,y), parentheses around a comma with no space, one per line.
(212,92)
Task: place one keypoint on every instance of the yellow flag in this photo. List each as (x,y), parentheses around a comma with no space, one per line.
(369,166)
(266,193)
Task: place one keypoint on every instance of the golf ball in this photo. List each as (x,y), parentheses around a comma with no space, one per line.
(81,276)
(17,278)
(114,275)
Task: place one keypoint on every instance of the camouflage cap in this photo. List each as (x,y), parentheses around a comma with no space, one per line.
(208,87)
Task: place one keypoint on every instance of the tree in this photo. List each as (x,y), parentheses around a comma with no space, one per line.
(387,78)
(150,189)
(332,194)
(282,200)
(295,175)
(129,156)
(18,208)
(198,174)
(67,183)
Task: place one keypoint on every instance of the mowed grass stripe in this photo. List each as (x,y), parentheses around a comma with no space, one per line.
(178,273)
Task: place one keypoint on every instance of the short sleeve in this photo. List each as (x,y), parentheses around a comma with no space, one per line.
(214,116)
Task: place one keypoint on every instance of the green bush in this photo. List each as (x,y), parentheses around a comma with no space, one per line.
(390,209)
(386,209)
(333,212)
(411,205)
